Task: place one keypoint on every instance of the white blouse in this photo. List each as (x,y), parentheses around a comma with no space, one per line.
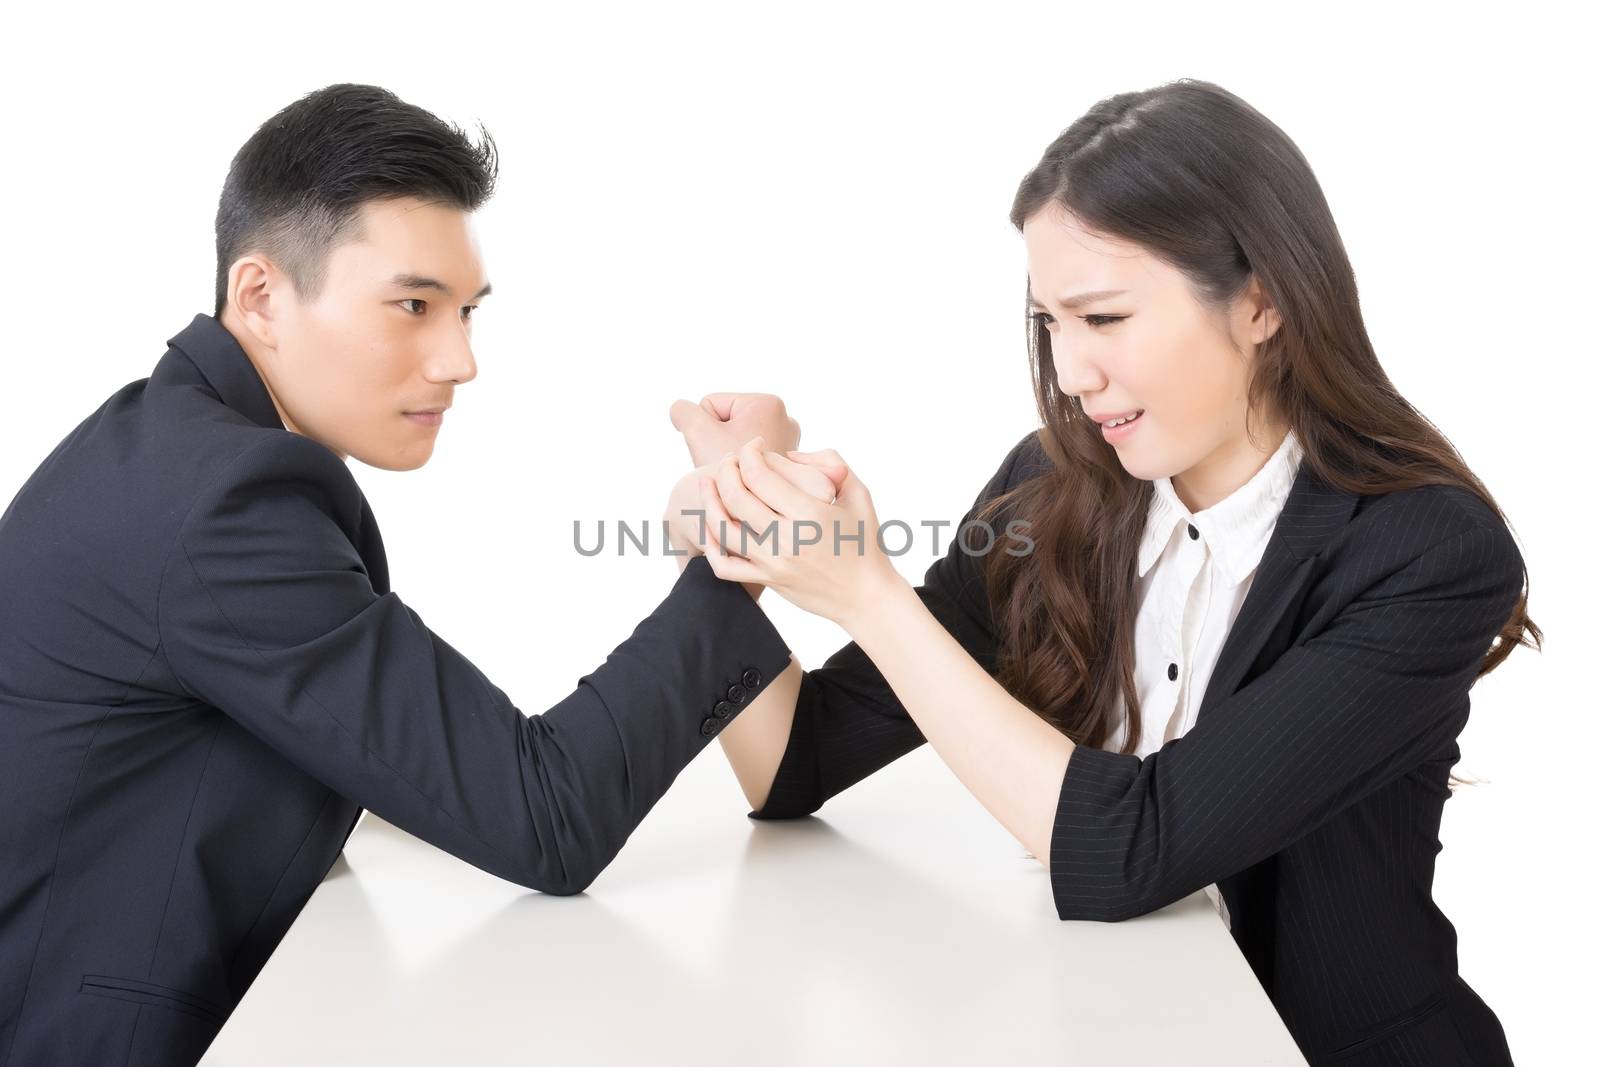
(1194,572)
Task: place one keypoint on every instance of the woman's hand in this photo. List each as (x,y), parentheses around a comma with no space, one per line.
(686,522)
(823,557)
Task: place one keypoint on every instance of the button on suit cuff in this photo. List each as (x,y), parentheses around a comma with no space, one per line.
(748,647)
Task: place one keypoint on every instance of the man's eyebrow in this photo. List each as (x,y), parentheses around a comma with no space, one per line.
(418,281)
(1081,299)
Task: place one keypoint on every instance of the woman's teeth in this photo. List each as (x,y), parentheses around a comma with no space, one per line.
(1119,422)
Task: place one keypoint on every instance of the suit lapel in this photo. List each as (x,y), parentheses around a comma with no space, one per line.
(1312,513)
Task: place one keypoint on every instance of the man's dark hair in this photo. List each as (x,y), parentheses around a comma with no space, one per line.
(296,188)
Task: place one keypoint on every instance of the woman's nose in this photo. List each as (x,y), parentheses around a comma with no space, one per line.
(1074,374)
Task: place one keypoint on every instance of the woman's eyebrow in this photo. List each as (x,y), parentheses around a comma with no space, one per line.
(1082,298)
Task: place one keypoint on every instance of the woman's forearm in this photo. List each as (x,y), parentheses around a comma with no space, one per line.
(756,739)
(1006,755)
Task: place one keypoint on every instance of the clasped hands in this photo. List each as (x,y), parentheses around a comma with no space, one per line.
(767,515)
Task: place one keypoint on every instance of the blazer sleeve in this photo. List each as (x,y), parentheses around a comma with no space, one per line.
(1366,699)
(848,722)
(267,613)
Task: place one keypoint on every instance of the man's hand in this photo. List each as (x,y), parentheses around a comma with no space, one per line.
(723,422)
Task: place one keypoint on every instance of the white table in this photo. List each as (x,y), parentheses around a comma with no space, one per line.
(900,924)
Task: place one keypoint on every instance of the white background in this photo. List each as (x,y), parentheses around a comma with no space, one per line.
(811,200)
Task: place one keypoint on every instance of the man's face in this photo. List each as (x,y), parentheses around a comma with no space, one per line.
(389,333)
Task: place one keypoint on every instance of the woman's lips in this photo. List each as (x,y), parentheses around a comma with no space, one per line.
(1113,434)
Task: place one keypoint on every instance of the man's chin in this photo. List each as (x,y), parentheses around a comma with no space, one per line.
(409,458)
(399,463)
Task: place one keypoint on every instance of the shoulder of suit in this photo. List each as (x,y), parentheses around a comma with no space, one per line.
(1453,506)
(1430,514)
(279,457)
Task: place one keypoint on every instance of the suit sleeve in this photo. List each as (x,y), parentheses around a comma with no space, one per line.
(848,722)
(268,614)
(1357,705)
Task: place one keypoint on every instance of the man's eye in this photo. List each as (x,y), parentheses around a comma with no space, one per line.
(420,304)
(1102,320)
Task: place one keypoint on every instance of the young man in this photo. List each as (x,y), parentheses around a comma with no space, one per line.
(204,674)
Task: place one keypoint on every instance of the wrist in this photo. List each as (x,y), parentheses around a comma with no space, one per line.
(879,600)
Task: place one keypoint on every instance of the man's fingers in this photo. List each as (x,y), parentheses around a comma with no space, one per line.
(721,405)
(686,415)
(717,518)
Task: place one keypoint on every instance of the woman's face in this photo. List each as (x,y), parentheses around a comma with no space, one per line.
(1127,333)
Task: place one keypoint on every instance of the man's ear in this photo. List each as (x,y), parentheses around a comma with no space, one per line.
(254,282)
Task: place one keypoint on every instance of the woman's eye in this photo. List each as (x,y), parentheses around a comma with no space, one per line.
(1047,320)
(467,311)
(420,304)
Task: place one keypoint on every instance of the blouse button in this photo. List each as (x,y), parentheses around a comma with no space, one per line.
(1194,535)
(1172,671)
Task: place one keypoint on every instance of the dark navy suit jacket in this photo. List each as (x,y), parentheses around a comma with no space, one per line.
(1309,789)
(205,677)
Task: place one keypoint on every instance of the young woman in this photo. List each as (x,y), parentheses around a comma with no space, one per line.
(1234,640)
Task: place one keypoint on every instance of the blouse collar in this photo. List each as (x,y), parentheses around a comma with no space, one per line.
(1235,528)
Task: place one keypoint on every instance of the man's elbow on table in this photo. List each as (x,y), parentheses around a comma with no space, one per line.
(557,880)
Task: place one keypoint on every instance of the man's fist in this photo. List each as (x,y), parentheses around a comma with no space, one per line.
(722,422)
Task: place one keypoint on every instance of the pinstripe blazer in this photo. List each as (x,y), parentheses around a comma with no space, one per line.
(205,676)
(1310,788)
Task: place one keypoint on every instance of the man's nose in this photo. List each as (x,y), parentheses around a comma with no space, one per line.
(456,363)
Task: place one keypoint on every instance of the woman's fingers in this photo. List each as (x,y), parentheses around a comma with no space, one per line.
(806,478)
(775,491)
(738,497)
(827,461)
(734,569)
(739,504)
(851,493)
(725,563)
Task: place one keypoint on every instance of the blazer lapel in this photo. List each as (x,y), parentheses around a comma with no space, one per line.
(1312,513)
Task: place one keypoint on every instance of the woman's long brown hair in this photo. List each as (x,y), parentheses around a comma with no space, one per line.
(1206,183)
